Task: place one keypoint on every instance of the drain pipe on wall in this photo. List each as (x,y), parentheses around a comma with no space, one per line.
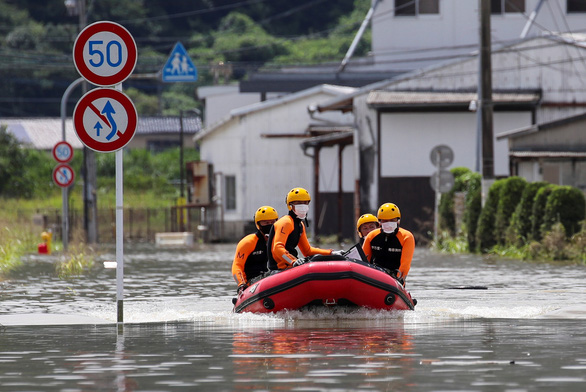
(316,209)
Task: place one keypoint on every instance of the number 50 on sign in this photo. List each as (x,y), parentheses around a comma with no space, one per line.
(105,53)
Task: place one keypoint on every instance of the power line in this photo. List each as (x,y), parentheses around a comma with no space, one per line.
(194,12)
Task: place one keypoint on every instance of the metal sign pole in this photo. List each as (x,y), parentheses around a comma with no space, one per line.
(120,230)
(437,198)
(119,237)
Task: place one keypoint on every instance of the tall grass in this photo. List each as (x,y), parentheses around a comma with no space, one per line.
(79,259)
(14,243)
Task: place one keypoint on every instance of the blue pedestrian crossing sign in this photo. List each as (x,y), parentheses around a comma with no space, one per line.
(179,67)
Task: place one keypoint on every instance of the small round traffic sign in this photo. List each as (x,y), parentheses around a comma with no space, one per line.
(63,152)
(63,175)
(104,53)
(441,156)
(105,119)
(442,181)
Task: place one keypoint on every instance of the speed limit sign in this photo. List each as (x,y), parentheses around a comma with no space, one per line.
(104,53)
(62,152)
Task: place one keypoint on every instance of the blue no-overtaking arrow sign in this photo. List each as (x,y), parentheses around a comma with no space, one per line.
(179,67)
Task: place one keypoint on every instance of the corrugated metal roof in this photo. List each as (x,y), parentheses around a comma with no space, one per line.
(150,125)
(435,70)
(389,98)
(44,133)
(513,133)
(41,133)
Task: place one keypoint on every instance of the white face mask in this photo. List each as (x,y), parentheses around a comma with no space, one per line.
(301,210)
(389,227)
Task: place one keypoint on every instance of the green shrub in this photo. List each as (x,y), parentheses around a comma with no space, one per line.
(520,231)
(485,238)
(447,218)
(538,210)
(566,205)
(473,207)
(509,197)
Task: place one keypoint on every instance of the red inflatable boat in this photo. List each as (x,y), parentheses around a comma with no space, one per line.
(325,281)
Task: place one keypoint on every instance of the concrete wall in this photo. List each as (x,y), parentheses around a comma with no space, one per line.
(455,31)
(408,138)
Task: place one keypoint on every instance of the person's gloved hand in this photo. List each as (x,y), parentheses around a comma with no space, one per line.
(241,288)
(299,261)
(338,253)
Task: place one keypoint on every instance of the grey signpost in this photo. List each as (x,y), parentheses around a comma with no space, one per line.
(105,54)
(442,181)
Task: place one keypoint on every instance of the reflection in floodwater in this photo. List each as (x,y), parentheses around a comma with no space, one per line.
(317,355)
(328,355)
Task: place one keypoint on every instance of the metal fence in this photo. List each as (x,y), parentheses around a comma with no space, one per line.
(140,224)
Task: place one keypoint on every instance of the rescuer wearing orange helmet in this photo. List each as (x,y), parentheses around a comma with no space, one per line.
(288,233)
(390,247)
(250,259)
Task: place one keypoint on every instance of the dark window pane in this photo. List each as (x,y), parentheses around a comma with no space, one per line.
(404,7)
(496,6)
(576,6)
(429,6)
(514,5)
(230,192)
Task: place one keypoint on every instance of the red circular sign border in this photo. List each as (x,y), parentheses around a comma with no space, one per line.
(86,34)
(55,175)
(84,102)
(55,150)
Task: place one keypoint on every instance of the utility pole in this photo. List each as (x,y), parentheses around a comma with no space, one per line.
(485,107)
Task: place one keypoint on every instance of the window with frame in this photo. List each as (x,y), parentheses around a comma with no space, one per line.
(506,6)
(230,192)
(576,6)
(416,7)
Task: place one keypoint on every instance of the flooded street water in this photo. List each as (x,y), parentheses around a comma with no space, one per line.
(481,324)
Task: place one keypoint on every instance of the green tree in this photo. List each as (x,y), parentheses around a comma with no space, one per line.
(240,39)
(11,17)
(146,105)
(39,181)
(12,166)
